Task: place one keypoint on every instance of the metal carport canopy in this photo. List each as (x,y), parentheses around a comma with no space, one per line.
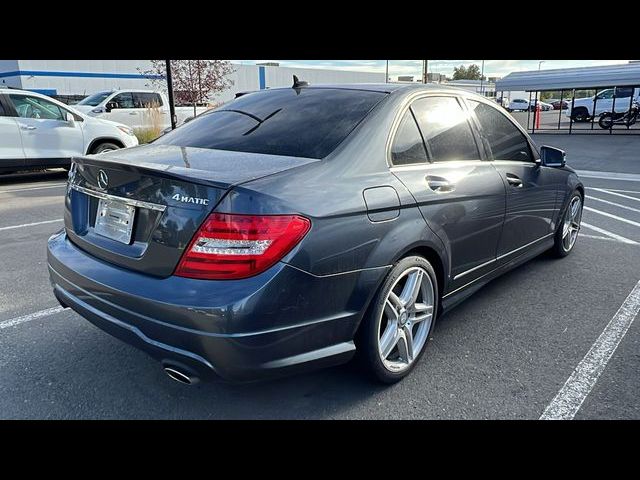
(569,78)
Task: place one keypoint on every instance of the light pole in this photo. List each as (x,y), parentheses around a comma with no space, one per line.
(386,76)
(172,109)
(540,63)
(482,80)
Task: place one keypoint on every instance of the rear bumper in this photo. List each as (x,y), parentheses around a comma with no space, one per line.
(280,322)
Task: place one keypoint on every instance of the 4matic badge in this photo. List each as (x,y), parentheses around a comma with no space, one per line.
(187,199)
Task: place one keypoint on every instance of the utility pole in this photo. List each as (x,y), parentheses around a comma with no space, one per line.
(482,80)
(172,108)
(386,76)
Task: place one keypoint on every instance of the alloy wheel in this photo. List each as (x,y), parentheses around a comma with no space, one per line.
(571,225)
(406,319)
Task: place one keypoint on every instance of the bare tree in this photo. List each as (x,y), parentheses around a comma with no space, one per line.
(193,80)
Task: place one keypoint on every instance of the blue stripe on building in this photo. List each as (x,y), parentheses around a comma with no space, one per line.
(42,73)
(261,78)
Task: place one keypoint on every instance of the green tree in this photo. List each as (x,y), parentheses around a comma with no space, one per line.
(472,72)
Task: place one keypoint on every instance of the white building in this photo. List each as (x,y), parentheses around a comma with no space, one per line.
(78,78)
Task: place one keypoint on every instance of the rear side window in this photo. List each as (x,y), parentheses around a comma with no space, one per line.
(408,147)
(506,141)
(445,129)
(303,122)
(2,112)
(146,100)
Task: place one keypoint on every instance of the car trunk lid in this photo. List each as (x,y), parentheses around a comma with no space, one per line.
(139,208)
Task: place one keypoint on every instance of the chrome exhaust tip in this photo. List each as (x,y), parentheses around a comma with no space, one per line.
(180,376)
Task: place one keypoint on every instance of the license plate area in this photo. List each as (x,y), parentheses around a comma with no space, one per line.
(114,220)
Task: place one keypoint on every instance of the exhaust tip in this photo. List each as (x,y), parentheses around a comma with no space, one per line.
(179,376)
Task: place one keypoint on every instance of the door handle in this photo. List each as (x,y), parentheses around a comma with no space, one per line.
(439,184)
(514,180)
(133,113)
(27,127)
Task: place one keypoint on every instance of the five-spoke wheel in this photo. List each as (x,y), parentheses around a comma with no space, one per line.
(398,324)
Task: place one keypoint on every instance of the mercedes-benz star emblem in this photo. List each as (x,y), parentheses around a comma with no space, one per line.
(103,180)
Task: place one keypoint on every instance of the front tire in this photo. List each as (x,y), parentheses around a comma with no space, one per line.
(580,114)
(400,320)
(105,147)
(605,121)
(567,232)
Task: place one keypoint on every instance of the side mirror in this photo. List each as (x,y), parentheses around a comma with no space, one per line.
(552,157)
(110,106)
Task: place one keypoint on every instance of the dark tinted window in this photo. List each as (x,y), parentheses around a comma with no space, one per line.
(304,122)
(407,145)
(445,128)
(506,141)
(146,100)
(123,100)
(2,113)
(622,92)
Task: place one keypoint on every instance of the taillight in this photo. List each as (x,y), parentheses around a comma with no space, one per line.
(230,246)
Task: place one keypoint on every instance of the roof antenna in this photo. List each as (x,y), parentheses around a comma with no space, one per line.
(299,83)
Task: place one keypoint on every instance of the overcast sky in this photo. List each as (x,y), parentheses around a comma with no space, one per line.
(492,68)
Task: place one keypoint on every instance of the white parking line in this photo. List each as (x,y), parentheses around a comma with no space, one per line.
(611,215)
(569,399)
(57,185)
(630,177)
(32,316)
(619,205)
(30,224)
(613,192)
(598,237)
(609,234)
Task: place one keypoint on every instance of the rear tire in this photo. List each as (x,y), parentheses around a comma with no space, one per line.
(567,232)
(105,147)
(397,326)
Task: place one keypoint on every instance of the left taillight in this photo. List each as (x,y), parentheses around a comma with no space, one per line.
(232,246)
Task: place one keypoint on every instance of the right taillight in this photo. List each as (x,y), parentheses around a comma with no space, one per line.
(232,246)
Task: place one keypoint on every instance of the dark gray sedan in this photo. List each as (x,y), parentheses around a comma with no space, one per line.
(295,227)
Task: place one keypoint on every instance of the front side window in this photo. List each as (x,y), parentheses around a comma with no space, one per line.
(35,107)
(622,92)
(303,122)
(506,141)
(445,129)
(605,94)
(407,147)
(95,99)
(123,100)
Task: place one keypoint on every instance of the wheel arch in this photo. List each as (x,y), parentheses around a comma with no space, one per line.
(97,141)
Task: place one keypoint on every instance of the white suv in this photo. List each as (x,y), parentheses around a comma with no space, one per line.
(518,104)
(38,132)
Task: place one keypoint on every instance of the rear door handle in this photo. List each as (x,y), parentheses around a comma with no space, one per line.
(439,184)
(514,180)
(27,127)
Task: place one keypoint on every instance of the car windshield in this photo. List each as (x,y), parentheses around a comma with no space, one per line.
(95,99)
(302,122)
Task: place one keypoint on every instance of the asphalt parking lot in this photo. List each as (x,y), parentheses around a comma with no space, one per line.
(504,353)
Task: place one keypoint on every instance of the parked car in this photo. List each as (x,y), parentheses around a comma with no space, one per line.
(134,107)
(295,227)
(518,104)
(39,132)
(584,110)
(544,106)
(560,104)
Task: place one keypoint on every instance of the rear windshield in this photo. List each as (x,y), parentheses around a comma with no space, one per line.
(304,122)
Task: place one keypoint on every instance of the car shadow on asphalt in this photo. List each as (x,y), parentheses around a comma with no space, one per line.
(33,176)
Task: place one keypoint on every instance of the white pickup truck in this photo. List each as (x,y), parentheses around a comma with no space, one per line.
(583,108)
(138,109)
